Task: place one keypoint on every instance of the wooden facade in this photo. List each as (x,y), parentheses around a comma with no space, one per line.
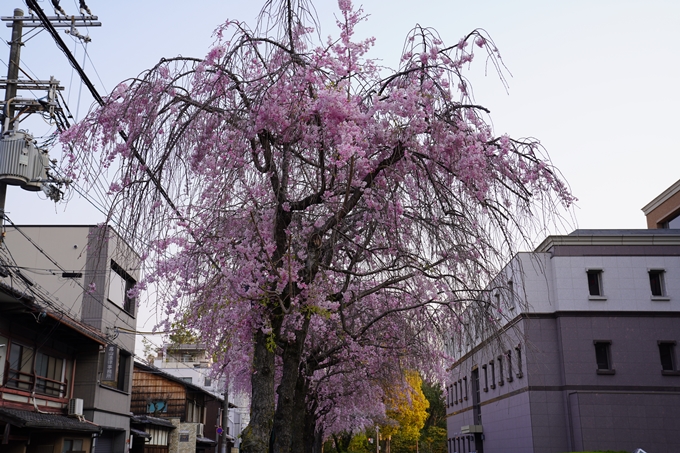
(162,395)
(154,394)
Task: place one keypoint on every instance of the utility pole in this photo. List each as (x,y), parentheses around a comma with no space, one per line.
(13,66)
(11,93)
(377,439)
(225,417)
(22,163)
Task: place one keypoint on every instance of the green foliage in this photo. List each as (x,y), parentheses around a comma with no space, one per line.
(181,335)
(348,443)
(433,440)
(437,410)
(419,415)
(271,342)
(148,353)
(360,444)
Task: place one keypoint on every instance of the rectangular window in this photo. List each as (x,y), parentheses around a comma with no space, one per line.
(455,394)
(116,364)
(20,373)
(72,445)
(518,350)
(486,379)
(595,282)
(493,374)
(3,357)
(508,355)
(465,387)
(603,356)
(123,371)
(120,283)
(47,373)
(511,298)
(157,406)
(460,388)
(50,375)
(656,282)
(158,436)
(667,356)
(500,370)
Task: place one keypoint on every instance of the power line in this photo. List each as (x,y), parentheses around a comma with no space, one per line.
(62,46)
(37,247)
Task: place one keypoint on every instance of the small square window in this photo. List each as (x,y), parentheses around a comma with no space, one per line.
(595,282)
(656,282)
(603,357)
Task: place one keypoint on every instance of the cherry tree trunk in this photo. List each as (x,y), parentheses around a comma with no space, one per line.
(312,434)
(286,402)
(256,437)
(299,441)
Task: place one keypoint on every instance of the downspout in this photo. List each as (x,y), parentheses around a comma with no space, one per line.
(73,379)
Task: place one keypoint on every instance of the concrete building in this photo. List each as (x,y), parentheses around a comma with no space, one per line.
(576,349)
(85,273)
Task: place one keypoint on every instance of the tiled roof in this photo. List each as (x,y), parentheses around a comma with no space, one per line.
(139,433)
(37,420)
(205,440)
(148,420)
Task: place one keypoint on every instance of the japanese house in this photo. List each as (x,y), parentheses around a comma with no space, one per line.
(181,417)
(83,273)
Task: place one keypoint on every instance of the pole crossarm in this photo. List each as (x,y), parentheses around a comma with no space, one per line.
(37,85)
(56,21)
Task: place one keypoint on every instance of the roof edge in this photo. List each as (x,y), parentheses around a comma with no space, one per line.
(665,195)
(615,238)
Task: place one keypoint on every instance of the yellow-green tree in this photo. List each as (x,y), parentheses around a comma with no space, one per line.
(407,411)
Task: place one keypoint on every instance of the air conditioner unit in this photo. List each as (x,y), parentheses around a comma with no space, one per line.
(75,407)
(199,430)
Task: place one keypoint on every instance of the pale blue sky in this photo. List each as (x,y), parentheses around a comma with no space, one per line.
(595,81)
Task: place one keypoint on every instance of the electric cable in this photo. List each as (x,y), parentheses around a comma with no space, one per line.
(62,46)
(37,247)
